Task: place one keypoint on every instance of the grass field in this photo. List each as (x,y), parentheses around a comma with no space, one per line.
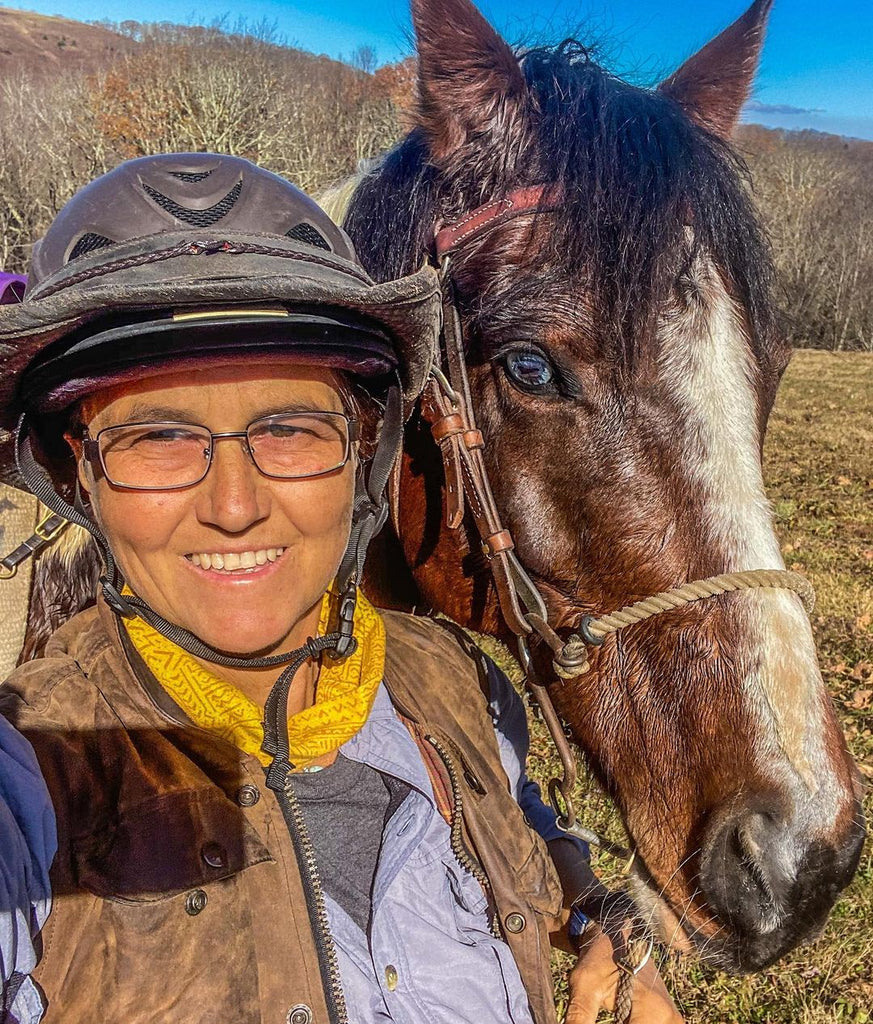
(819,472)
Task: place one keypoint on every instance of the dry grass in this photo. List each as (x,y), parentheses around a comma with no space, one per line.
(819,470)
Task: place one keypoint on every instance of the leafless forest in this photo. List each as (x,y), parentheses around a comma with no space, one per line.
(313,119)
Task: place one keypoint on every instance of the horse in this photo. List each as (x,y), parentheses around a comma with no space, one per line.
(624,352)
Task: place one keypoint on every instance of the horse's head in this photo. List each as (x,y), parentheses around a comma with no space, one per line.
(624,357)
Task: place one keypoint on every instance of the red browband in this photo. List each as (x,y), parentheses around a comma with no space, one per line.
(498,211)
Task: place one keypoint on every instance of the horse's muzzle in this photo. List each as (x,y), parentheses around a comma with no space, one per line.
(771,884)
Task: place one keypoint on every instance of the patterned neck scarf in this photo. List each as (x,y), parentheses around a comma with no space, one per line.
(344,693)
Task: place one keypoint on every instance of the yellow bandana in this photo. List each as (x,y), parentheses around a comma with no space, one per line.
(343,698)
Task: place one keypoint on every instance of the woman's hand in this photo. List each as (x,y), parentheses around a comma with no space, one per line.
(594,983)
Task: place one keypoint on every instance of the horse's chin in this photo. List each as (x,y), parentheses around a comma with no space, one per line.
(672,927)
(708,941)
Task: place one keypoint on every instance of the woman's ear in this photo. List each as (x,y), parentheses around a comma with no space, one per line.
(83,473)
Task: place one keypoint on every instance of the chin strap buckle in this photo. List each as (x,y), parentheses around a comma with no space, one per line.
(346,621)
(115,601)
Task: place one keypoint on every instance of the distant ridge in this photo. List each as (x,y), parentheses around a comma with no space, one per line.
(752,135)
(37,42)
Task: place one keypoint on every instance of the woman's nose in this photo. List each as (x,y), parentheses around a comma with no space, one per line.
(234,495)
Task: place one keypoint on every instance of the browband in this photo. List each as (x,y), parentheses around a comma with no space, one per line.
(535,198)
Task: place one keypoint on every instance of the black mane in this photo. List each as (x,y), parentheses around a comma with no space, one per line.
(634,170)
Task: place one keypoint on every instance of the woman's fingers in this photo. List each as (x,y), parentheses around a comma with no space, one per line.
(651,1000)
(594,980)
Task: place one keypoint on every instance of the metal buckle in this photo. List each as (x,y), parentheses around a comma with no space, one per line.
(49,535)
(584,630)
(34,543)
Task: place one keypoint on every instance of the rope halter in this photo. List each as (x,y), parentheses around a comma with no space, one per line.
(571,656)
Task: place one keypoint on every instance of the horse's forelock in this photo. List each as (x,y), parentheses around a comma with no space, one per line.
(634,173)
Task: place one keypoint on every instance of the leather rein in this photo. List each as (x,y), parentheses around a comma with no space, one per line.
(449,407)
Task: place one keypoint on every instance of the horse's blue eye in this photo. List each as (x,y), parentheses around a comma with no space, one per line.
(530,370)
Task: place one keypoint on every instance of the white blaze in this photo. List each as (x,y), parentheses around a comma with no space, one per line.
(707,363)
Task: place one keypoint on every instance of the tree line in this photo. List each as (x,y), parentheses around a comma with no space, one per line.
(312,120)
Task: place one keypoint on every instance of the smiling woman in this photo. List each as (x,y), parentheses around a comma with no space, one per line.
(228,519)
(234,731)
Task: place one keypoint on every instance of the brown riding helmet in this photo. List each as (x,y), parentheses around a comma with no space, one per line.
(171,258)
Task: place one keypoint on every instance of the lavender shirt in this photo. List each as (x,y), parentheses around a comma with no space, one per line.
(27,847)
(429,954)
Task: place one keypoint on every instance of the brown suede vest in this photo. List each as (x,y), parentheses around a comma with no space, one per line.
(178,895)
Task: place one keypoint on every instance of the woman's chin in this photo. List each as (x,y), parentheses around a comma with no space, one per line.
(245,643)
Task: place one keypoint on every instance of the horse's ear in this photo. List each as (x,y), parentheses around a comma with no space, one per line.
(714,84)
(469,80)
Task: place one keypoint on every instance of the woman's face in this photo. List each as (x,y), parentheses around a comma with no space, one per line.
(282,538)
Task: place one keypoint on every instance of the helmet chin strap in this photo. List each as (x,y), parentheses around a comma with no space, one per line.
(368,515)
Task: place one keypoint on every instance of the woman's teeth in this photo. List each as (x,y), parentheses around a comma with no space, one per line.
(235,561)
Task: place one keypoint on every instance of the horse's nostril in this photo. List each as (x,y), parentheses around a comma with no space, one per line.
(765,870)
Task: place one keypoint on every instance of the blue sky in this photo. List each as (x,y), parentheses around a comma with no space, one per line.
(817,70)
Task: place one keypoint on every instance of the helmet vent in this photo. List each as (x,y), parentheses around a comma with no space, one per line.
(190,175)
(196,218)
(88,243)
(307,234)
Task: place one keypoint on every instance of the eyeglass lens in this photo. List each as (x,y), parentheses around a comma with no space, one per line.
(166,455)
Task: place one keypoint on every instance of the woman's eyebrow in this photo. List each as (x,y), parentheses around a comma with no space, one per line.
(142,412)
(293,407)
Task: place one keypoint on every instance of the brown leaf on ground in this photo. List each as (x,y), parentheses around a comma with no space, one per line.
(860,699)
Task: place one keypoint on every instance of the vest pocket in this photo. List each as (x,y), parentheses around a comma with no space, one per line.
(168,844)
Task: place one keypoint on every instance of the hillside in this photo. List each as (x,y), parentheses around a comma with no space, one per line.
(38,42)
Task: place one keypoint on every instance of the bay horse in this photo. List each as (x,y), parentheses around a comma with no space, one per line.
(624,354)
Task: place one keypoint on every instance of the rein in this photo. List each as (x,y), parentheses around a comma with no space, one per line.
(449,407)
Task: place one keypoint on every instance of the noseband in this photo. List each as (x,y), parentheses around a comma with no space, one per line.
(449,408)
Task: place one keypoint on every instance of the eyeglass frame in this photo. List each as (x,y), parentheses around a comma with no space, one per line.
(91,446)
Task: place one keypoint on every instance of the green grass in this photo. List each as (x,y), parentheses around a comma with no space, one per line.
(819,473)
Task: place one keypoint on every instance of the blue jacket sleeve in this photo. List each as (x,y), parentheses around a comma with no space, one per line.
(510,725)
(27,846)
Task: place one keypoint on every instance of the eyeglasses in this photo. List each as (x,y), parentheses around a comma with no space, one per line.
(166,456)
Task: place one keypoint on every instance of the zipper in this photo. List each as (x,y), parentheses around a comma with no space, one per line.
(327,958)
(456,839)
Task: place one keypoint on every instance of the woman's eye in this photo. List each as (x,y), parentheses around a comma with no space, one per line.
(174,434)
(530,370)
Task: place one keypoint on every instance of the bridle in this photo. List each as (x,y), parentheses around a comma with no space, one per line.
(449,408)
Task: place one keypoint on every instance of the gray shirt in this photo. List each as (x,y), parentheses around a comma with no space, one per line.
(345,808)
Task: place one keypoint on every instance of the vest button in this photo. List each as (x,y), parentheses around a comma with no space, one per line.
(515,923)
(214,855)
(299,1014)
(391,977)
(473,782)
(195,902)
(248,795)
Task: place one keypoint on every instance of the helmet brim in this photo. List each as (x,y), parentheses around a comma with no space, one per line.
(91,360)
(141,280)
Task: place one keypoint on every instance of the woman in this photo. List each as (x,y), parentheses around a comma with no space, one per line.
(274,803)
